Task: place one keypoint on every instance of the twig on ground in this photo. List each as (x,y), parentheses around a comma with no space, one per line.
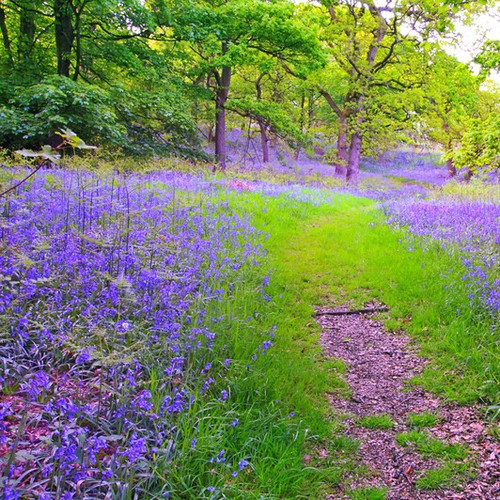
(355,311)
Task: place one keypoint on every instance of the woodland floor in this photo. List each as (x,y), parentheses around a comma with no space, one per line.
(409,440)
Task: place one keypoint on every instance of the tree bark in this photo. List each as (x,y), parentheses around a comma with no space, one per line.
(450,167)
(357,137)
(310,110)
(262,125)
(302,113)
(264,140)
(27,29)
(78,45)
(211,136)
(220,115)
(340,166)
(65,35)
(5,35)
(220,134)
(469,174)
(354,157)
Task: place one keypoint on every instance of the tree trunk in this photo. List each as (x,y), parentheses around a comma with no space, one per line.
(78,45)
(450,167)
(340,166)
(262,126)
(354,157)
(302,113)
(5,35)
(211,136)
(27,29)
(220,116)
(342,136)
(310,110)
(357,138)
(265,141)
(220,134)
(64,35)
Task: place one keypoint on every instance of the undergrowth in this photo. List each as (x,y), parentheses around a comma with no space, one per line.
(249,440)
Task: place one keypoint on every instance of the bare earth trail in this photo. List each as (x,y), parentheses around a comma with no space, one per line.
(378,365)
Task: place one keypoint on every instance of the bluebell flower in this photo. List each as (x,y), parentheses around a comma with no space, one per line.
(36,384)
(9,493)
(220,457)
(136,449)
(84,356)
(266,345)
(242,464)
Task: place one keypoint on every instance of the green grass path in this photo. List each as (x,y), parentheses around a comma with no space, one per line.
(345,253)
(348,254)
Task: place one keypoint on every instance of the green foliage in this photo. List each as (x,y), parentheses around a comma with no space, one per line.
(376,73)
(247,28)
(140,77)
(452,97)
(489,57)
(137,121)
(479,148)
(158,122)
(272,114)
(37,111)
(47,153)
(50,154)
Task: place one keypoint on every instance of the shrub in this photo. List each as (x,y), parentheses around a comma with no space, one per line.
(31,117)
(137,122)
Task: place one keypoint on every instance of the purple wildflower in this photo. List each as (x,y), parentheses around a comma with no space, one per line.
(242,464)
(36,384)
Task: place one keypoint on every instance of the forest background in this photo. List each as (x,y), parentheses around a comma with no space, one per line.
(334,79)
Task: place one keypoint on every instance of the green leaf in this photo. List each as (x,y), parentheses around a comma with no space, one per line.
(28,153)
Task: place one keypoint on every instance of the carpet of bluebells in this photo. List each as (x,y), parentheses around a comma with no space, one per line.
(109,285)
(468,227)
(105,287)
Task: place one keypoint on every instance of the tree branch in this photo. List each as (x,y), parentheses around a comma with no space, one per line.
(335,107)
(28,9)
(381,64)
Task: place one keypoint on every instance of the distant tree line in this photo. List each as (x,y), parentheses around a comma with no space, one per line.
(152,77)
